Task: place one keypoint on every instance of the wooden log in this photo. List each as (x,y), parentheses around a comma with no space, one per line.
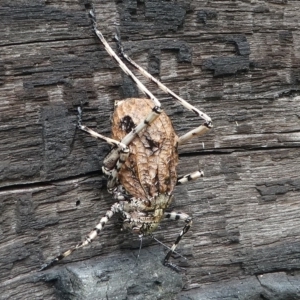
(237,61)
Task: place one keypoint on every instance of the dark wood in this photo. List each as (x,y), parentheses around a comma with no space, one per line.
(238,61)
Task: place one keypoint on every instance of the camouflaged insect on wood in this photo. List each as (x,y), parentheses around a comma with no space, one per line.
(141,166)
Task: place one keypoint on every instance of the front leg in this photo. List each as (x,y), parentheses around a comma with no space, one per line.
(115,158)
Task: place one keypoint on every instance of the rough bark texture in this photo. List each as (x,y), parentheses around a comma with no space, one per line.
(236,60)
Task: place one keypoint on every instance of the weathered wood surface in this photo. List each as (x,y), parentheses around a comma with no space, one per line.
(236,60)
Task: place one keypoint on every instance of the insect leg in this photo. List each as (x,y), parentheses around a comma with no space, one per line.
(189,177)
(96,135)
(200,130)
(117,207)
(114,160)
(188,221)
(156,110)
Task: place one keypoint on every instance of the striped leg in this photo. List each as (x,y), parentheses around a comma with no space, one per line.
(118,155)
(115,158)
(189,177)
(200,130)
(154,114)
(117,207)
(188,221)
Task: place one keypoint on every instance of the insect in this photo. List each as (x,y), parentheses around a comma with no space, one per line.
(141,166)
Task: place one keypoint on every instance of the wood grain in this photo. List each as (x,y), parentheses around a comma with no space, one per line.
(238,61)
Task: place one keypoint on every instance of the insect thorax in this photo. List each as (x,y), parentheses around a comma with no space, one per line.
(143,216)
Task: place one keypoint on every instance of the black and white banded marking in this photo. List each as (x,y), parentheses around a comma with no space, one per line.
(189,177)
(116,208)
(188,220)
(134,210)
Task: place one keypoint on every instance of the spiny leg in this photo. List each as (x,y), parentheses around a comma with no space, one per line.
(117,207)
(200,130)
(188,221)
(189,177)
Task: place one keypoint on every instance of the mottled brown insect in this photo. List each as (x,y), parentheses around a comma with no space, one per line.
(150,168)
(141,166)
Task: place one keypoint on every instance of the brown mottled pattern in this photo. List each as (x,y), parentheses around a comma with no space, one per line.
(151,166)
